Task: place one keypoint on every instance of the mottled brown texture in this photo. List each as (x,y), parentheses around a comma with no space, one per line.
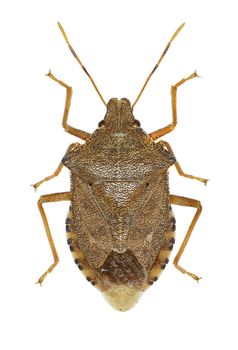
(120,226)
(120,202)
(123,268)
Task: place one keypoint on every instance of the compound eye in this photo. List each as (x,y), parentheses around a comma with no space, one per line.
(126,100)
(136,123)
(101,124)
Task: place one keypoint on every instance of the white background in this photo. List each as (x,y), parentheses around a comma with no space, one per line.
(119,42)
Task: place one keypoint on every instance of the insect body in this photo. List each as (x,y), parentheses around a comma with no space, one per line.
(120,225)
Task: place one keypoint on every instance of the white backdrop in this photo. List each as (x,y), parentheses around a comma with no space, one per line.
(119,42)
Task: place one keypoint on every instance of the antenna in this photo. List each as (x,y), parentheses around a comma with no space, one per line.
(79,61)
(157,64)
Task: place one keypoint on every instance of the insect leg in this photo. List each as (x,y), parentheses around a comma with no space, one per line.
(155,135)
(69,91)
(53,197)
(178,167)
(58,169)
(186,202)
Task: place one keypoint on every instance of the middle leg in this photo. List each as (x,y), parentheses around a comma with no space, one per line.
(178,167)
(58,169)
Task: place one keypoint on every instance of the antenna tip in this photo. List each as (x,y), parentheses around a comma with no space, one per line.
(177,31)
(63,32)
(59,25)
(181,27)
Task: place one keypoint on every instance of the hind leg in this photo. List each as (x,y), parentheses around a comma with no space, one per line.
(186,202)
(53,197)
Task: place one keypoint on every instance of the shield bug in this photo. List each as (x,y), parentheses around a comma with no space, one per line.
(120,225)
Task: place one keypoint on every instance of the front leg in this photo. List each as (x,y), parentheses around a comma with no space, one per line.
(69,91)
(155,135)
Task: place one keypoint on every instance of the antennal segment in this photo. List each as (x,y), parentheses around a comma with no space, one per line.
(79,61)
(158,63)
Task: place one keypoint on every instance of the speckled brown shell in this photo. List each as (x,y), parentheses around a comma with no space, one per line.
(120,226)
